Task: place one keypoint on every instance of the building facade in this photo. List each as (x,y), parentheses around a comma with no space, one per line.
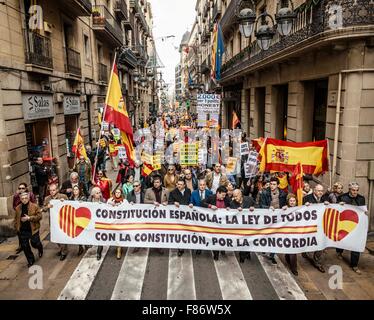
(55,63)
(315,83)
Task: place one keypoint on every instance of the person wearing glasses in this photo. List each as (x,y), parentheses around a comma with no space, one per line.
(136,196)
(171,178)
(241,202)
(353,198)
(22,188)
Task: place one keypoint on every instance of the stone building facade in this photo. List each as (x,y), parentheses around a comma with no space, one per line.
(55,62)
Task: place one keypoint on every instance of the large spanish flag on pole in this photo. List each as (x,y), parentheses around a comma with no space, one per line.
(283,156)
(116,113)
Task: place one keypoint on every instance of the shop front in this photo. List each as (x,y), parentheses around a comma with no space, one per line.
(72,110)
(38,111)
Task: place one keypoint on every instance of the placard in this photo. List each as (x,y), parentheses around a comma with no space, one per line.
(244,148)
(208,103)
(231,165)
(188,154)
(122,153)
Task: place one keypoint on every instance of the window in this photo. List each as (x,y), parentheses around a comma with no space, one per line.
(87,48)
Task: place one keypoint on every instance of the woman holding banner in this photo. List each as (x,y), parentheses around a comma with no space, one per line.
(291,258)
(117,200)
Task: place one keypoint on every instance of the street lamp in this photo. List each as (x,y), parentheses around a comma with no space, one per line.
(264,33)
(246,17)
(150,75)
(285,18)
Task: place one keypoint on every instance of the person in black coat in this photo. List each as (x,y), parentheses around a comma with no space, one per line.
(317,196)
(241,202)
(220,200)
(180,196)
(267,196)
(353,198)
(136,196)
(41,175)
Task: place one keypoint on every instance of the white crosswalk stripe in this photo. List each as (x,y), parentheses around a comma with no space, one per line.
(80,282)
(130,279)
(231,279)
(283,283)
(181,282)
(179,278)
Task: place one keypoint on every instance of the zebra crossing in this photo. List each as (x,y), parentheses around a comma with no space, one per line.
(145,274)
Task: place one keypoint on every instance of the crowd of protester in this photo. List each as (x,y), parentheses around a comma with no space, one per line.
(205,186)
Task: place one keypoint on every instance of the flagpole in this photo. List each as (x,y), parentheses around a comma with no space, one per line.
(103,117)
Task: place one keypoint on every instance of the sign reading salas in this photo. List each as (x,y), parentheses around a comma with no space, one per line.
(294,230)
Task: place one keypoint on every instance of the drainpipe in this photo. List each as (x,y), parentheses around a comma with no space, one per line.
(337,121)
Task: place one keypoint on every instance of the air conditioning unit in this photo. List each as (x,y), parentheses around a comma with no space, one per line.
(47,27)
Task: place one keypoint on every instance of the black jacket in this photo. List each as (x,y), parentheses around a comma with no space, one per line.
(212,200)
(67,185)
(265,199)
(311,199)
(41,174)
(176,196)
(357,201)
(247,203)
(131,197)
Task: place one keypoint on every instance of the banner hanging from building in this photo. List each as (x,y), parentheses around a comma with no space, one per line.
(295,230)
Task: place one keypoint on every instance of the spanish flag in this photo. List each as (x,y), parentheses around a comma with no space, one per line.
(283,156)
(116,113)
(297,183)
(257,143)
(147,169)
(78,146)
(235,120)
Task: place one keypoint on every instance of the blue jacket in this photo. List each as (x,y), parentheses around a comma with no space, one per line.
(195,197)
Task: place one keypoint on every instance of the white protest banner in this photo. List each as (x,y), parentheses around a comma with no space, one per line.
(295,230)
(244,148)
(208,103)
(251,167)
(122,153)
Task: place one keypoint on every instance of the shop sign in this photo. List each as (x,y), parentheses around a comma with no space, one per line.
(37,106)
(72,104)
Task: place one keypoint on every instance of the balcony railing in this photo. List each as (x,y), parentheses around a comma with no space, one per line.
(121,9)
(73,62)
(217,9)
(103,73)
(139,14)
(104,19)
(311,21)
(38,50)
(229,16)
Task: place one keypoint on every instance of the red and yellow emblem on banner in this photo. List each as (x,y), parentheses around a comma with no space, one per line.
(73,221)
(337,225)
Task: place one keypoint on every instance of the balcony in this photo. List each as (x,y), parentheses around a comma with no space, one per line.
(77,7)
(134,4)
(229,18)
(311,28)
(120,10)
(217,10)
(103,73)
(38,52)
(205,66)
(127,59)
(106,26)
(73,63)
(129,24)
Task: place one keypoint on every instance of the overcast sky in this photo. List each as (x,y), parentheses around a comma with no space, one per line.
(171,17)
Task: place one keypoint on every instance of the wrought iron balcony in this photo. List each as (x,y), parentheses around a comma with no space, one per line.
(313,24)
(73,62)
(127,58)
(77,7)
(134,4)
(121,10)
(103,73)
(38,50)
(129,23)
(229,16)
(205,66)
(106,25)
(217,10)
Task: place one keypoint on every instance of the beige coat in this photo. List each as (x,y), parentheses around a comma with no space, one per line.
(223,181)
(150,197)
(35,216)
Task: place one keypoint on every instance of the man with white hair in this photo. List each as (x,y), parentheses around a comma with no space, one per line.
(67,186)
(353,198)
